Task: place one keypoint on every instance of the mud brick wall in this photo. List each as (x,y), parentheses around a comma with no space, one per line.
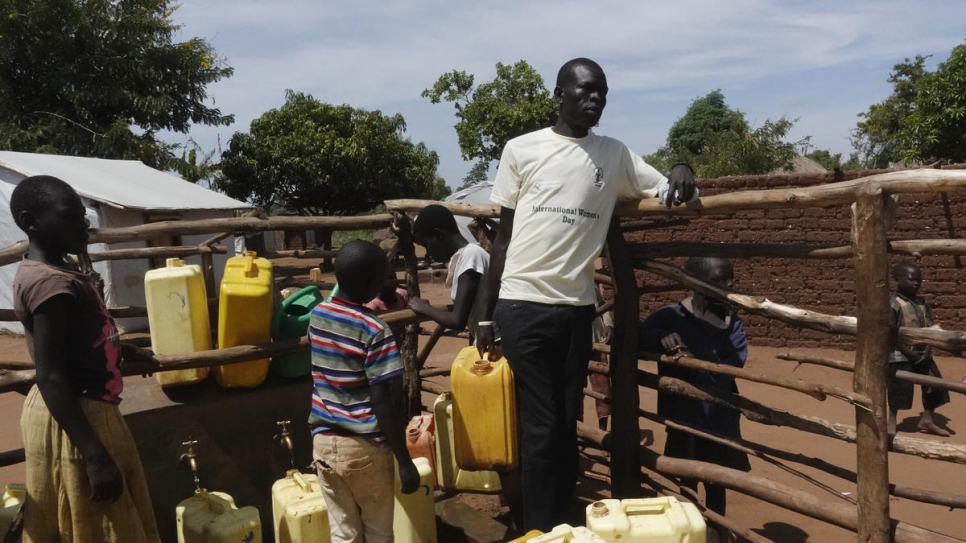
(825,286)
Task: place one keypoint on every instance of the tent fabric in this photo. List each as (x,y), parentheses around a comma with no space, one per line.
(120,183)
(115,193)
(478,193)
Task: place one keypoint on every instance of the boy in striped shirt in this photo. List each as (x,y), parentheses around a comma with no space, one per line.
(357,424)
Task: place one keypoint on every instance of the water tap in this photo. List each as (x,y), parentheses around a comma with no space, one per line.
(284,440)
(191,459)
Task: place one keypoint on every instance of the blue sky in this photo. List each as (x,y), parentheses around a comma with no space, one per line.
(821,62)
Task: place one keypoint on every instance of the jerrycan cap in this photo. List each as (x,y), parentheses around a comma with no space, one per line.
(174,263)
(482,367)
(599,509)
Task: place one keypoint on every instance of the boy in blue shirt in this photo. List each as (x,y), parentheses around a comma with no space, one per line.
(707,329)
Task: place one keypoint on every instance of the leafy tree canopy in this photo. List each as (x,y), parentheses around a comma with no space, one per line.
(936,127)
(313,158)
(514,103)
(829,161)
(876,138)
(717,141)
(100,78)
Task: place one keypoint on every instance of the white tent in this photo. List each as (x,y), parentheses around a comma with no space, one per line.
(116,193)
(478,193)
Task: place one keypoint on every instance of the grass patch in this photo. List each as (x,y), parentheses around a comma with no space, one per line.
(341,237)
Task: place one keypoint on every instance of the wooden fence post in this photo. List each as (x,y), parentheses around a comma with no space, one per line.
(625,396)
(409,344)
(871,360)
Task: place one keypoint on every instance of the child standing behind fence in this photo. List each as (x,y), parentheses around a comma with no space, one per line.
(907,308)
(357,425)
(85,483)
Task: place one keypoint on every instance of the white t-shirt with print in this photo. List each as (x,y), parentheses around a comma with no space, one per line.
(563,190)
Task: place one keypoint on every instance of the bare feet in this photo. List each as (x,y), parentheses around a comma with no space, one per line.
(931,428)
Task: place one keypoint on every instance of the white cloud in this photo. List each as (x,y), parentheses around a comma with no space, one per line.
(769,57)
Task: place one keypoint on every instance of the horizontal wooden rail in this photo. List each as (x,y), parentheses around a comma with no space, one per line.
(916,247)
(840,514)
(902,375)
(831,194)
(754,411)
(944,339)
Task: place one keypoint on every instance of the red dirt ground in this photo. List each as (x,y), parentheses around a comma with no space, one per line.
(770,521)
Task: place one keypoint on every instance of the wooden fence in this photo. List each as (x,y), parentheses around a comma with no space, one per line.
(630,464)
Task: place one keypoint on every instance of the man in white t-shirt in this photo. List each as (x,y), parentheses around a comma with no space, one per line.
(435,229)
(557,188)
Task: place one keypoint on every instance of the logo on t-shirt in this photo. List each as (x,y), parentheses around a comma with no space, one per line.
(598,177)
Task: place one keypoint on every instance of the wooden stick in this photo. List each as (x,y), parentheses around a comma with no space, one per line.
(9,458)
(764,489)
(944,339)
(302,253)
(218,237)
(409,346)
(902,375)
(428,347)
(754,411)
(817,391)
(625,393)
(831,194)
(463,209)
(156,252)
(955,501)
(668,249)
(692,498)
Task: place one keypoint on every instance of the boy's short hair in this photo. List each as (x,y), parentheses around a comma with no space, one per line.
(36,193)
(699,266)
(357,264)
(434,217)
(896,269)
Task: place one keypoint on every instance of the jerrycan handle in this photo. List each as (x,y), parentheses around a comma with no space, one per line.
(250,269)
(218,504)
(651,508)
(300,480)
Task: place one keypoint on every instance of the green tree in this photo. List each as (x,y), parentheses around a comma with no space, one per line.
(479,172)
(876,138)
(705,117)
(100,78)
(514,103)
(717,140)
(829,161)
(313,158)
(935,129)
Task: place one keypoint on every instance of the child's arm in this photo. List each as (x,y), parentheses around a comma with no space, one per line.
(50,356)
(467,286)
(387,406)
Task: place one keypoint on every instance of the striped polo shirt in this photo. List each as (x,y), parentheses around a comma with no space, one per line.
(351,349)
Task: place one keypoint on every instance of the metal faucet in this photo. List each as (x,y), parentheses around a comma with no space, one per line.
(191,459)
(284,439)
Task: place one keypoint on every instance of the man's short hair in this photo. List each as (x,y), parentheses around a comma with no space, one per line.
(357,264)
(566,71)
(36,193)
(434,217)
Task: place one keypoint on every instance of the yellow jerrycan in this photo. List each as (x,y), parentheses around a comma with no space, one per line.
(647,520)
(211,517)
(177,305)
(244,317)
(565,533)
(299,510)
(527,536)
(10,504)
(449,476)
(484,412)
(414,515)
